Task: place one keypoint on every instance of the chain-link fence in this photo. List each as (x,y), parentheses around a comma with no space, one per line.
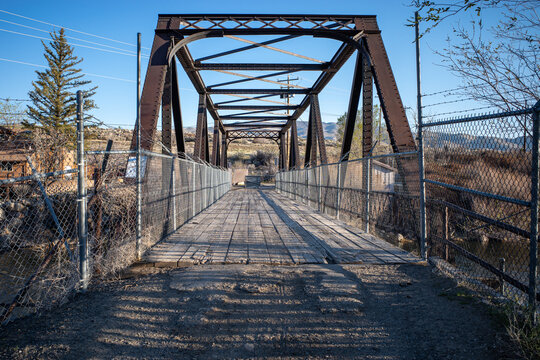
(479,173)
(38,235)
(481,207)
(39,238)
(378,194)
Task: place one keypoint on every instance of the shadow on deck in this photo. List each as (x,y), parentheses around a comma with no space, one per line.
(264,227)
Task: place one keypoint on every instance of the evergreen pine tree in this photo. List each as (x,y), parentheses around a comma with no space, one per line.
(54,103)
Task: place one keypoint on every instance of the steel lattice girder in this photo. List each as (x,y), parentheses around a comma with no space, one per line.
(357,33)
(252,134)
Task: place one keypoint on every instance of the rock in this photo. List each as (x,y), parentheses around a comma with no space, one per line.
(10,206)
(19,207)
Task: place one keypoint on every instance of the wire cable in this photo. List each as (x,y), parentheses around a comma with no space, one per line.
(66,28)
(84,73)
(72,44)
(71,37)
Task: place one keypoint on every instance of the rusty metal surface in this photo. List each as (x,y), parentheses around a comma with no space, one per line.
(391,104)
(318,127)
(294,152)
(367,111)
(357,33)
(353,107)
(177,111)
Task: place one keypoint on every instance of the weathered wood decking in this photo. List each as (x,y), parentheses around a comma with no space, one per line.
(256,226)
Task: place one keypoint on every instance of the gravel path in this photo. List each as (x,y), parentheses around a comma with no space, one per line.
(257,311)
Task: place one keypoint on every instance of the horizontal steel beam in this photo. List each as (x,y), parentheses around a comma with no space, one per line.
(252,78)
(256,107)
(258,91)
(262,67)
(251,126)
(231,117)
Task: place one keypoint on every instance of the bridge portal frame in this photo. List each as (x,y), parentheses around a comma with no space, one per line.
(356,33)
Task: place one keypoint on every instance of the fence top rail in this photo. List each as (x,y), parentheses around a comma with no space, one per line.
(37,176)
(374,157)
(478,117)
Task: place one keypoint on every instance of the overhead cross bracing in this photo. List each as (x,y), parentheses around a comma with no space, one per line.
(248,98)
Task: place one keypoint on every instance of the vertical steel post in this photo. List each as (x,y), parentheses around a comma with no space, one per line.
(193,210)
(138,235)
(420,144)
(368,189)
(319,189)
(338,190)
(81,196)
(533,246)
(173,186)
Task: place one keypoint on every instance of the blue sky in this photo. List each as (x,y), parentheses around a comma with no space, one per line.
(121,20)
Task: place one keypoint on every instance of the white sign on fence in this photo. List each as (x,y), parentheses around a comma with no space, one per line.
(131,169)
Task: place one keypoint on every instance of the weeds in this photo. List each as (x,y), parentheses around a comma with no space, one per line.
(522,331)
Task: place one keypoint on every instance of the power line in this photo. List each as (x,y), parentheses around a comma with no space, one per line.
(17,100)
(81,45)
(71,37)
(66,28)
(468,86)
(84,73)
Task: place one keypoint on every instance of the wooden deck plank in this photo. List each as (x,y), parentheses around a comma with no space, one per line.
(252,226)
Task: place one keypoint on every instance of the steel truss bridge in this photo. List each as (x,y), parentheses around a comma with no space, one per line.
(358,35)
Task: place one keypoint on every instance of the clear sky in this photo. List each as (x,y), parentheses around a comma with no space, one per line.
(112,65)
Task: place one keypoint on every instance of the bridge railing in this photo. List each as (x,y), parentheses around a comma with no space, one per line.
(378,194)
(40,245)
(481,182)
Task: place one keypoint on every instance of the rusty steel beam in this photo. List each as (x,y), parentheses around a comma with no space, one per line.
(153,85)
(251,78)
(282,151)
(166,114)
(224,143)
(230,117)
(318,128)
(260,98)
(227,126)
(216,145)
(294,152)
(256,107)
(258,91)
(200,146)
(177,112)
(367,111)
(391,104)
(310,155)
(352,109)
(262,67)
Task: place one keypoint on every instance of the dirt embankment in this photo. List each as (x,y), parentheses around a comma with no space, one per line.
(257,311)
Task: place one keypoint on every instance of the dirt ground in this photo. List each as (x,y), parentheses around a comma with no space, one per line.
(258,311)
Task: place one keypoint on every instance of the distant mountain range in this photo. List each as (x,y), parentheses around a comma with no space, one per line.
(473,142)
(330,129)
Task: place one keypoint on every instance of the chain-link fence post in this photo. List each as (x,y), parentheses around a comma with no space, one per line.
(192,185)
(338,190)
(368,189)
(173,186)
(534,214)
(81,196)
(319,188)
(138,227)
(420,145)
